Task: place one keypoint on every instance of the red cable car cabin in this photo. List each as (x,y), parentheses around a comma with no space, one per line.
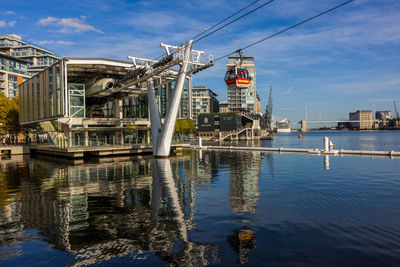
(238,77)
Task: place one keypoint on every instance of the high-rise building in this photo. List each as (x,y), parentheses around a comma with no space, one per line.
(245,99)
(13,71)
(204,100)
(38,58)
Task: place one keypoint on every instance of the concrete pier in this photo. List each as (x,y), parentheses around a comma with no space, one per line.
(81,152)
(11,150)
(304,150)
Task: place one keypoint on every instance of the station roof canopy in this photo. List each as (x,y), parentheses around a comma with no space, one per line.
(80,69)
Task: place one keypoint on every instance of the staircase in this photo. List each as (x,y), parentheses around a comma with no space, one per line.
(57,137)
(236,135)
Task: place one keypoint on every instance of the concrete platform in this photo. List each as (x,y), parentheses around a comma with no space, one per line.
(11,150)
(81,152)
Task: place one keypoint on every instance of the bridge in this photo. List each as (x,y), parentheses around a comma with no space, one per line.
(305,122)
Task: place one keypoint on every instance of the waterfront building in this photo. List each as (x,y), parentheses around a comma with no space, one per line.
(363,119)
(75,103)
(38,58)
(384,115)
(219,125)
(385,118)
(204,100)
(13,71)
(244,99)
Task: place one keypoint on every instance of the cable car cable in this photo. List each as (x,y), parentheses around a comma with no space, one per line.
(237,12)
(289,28)
(215,25)
(227,24)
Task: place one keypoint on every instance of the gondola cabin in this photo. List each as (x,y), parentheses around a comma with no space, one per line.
(237,77)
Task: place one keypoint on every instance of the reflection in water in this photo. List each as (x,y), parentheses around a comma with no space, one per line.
(201,210)
(244,171)
(326,162)
(242,242)
(97,212)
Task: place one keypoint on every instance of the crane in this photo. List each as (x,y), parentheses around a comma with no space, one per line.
(268,112)
(396,113)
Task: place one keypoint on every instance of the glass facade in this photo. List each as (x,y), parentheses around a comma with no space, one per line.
(76,97)
(40,96)
(135,107)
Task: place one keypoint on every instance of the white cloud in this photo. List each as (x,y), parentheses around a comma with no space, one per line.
(4,23)
(46,42)
(9,12)
(288,91)
(66,25)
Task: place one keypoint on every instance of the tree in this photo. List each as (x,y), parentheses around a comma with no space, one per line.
(5,106)
(184,126)
(9,115)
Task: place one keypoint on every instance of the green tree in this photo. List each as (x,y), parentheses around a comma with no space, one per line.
(9,115)
(184,126)
(5,106)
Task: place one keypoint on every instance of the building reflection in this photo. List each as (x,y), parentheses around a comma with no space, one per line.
(244,173)
(244,169)
(100,211)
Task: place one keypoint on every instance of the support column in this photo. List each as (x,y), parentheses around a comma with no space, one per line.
(86,142)
(118,110)
(165,139)
(304,126)
(155,118)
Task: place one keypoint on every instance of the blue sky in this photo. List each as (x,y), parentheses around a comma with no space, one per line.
(344,61)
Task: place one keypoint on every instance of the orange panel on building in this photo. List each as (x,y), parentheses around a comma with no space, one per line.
(19,80)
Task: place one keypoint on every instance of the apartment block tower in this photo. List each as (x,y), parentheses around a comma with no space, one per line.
(38,58)
(244,99)
(204,101)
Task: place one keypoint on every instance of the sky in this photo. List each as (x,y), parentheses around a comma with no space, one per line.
(344,61)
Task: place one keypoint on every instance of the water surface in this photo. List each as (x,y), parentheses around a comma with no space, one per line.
(203,208)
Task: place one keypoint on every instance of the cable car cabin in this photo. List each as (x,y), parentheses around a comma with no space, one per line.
(238,77)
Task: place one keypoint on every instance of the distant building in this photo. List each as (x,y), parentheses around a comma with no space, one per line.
(363,119)
(244,98)
(13,71)
(223,107)
(384,115)
(165,92)
(204,100)
(38,58)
